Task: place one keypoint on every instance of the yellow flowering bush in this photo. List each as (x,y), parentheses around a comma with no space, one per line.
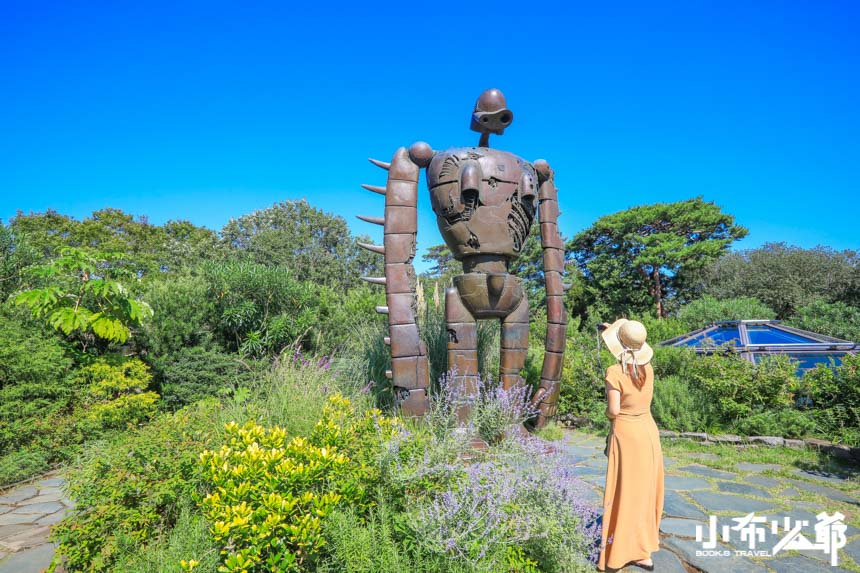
(270,493)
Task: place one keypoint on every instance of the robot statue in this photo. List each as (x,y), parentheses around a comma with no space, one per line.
(485,201)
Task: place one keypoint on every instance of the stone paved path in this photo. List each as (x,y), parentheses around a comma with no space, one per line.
(694,491)
(26,516)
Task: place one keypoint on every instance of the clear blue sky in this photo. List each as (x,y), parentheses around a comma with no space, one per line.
(211,110)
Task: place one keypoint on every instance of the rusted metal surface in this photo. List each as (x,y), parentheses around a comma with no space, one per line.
(485,201)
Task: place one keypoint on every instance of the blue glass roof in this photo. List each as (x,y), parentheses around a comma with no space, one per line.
(716,337)
(767,334)
(754,339)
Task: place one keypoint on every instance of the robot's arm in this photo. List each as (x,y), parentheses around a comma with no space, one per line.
(410,372)
(546,397)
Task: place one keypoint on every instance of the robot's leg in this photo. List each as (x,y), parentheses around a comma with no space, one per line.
(515,345)
(462,345)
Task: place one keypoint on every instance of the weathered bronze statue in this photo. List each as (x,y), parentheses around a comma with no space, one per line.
(485,201)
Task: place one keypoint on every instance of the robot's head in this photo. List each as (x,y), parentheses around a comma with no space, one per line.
(491,113)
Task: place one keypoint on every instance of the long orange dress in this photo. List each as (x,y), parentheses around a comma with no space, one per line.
(633,498)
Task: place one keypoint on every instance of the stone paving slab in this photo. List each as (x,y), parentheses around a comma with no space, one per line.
(51,482)
(800,564)
(675,505)
(598,480)
(599,463)
(809,516)
(741,488)
(707,472)
(853,549)
(762,481)
(24,529)
(666,562)
(730,494)
(713,502)
(686,548)
(27,539)
(681,527)
(684,483)
(33,560)
(820,490)
(824,476)
(18,495)
(15,519)
(582,471)
(45,508)
(7,530)
(51,519)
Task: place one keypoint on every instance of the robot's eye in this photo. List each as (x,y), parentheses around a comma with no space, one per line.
(505,118)
(485,119)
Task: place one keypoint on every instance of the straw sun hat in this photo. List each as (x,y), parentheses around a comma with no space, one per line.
(625,339)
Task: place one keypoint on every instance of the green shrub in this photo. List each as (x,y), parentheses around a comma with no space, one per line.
(116,394)
(661,329)
(582,378)
(552,432)
(835,319)
(182,315)
(261,309)
(192,374)
(130,487)
(707,310)
(188,542)
(37,396)
(835,399)
(680,406)
(674,361)
(371,545)
(785,422)
(22,464)
(738,388)
(270,494)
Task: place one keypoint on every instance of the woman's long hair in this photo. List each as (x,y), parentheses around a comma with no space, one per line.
(637,374)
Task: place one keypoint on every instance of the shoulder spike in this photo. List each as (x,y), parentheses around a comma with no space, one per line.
(374,188)
(379,163)
(374,220)
(375,248)
(374,280)
(382,310)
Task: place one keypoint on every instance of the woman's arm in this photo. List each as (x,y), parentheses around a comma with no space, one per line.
(613,401)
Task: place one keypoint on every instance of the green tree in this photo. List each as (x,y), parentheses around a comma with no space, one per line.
(77,293)
(262,309)
(784,277)
(183,314)
(646,252)
(444,266)
(314,245)
(15,255)
(146,249)
(706,310)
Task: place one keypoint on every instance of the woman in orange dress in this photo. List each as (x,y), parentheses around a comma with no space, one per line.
(633,498)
